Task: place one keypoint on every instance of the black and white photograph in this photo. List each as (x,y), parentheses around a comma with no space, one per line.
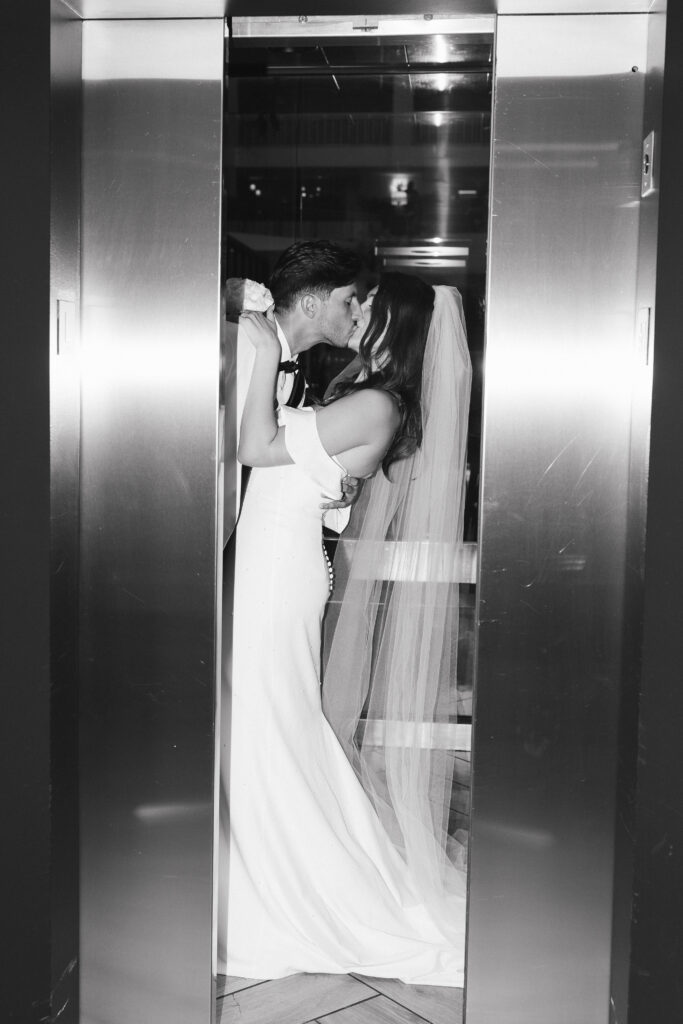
(342,560)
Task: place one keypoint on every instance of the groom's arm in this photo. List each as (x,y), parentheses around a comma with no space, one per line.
(337,513)
(233,394)
(239,362)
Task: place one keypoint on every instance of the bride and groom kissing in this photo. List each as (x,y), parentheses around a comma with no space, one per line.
(340,857)
(312,299)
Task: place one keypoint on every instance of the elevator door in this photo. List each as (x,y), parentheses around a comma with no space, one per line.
(555,579)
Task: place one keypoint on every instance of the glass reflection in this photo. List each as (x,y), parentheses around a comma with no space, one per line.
(368,144)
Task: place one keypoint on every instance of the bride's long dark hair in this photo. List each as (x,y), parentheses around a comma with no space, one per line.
(392,354)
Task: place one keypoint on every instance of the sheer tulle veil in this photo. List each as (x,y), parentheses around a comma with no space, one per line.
(391,629)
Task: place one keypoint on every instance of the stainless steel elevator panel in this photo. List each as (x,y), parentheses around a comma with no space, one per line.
(149,512)
(560,363)
(65,416)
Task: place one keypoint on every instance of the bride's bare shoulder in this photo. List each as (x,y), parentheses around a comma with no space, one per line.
(364,417)
(373,405)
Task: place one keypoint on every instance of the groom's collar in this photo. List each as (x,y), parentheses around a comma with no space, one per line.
(286,350)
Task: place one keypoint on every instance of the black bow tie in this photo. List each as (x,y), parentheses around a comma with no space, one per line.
(298,395)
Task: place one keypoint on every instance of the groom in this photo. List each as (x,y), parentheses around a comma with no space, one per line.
(313,285)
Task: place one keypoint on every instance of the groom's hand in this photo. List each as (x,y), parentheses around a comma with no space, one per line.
(350,488)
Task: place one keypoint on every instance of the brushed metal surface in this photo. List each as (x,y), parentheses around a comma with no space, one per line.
(149,512)
(559,380)
(143,9)
(574,7)
(378,26)
(65,414)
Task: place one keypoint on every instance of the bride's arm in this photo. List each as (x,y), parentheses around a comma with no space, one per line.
(362,423)
(364,419)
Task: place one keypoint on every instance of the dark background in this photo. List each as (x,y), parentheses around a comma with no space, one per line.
(656,993)
(25,908)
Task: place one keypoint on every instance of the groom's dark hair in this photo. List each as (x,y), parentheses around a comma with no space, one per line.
(314,266)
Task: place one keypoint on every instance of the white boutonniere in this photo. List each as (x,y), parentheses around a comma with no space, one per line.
(242,294)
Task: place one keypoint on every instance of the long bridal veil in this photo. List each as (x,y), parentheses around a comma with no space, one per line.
(391,632)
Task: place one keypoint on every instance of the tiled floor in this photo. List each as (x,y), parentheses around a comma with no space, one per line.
(335,999)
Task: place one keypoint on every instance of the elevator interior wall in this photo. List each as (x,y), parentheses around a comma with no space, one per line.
(152,95)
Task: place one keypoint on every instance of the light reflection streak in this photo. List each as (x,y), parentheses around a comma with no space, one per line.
(111,52)
(440,53)
(159,814)
(589,56)
(154,364)
(516,836)
(562,371)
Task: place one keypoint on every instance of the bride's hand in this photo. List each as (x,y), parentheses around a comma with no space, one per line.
(260,330)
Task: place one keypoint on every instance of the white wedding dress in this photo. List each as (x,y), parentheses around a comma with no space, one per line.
(315,885)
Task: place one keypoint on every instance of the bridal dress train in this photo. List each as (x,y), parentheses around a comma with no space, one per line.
(315,883)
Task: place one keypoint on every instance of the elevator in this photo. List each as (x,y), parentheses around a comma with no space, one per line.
(501,150)
(380,141)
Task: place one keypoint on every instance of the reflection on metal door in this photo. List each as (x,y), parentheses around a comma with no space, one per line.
(152,95)
(557,584)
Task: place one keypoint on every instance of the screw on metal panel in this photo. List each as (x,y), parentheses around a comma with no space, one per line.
(634,68)
(303,18)
(428,17)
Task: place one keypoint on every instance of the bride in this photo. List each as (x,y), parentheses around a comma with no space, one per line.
(340,857)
